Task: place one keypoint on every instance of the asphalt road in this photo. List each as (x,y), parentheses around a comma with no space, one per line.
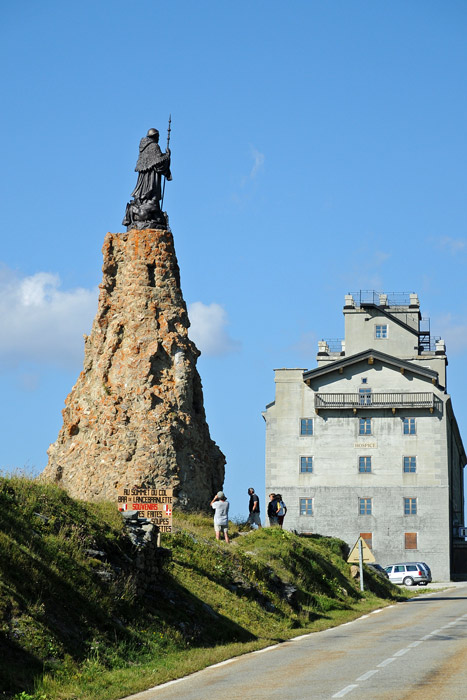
(415,650)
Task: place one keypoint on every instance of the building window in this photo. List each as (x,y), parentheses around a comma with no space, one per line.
(364,426)
(306,426)
(306,506)
(364,380)
(410,464)
(306,464)
(364,396)
(411,540)
(410,506)
(409,426)
(381,331)
(364,465)
(364,506)
(368,538)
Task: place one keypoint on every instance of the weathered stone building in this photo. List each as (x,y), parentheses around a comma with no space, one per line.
(367,444)
(135,416)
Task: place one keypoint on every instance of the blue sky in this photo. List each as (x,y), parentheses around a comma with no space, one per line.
(318,148)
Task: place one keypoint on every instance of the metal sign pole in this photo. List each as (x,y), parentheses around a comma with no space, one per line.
(360,557)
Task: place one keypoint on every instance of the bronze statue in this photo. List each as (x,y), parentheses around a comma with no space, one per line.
(145,209)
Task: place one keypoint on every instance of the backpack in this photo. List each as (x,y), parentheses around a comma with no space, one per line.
(280,508)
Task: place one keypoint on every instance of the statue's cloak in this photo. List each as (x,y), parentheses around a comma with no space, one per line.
(152,158)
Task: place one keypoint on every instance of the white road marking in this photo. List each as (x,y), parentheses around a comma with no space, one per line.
(367,675)
(344,691)
(261,651)
(386,662)
(415,644)
(222,663)
(436,631)
(166,685)
(373,612)
(401,652)
(427,636)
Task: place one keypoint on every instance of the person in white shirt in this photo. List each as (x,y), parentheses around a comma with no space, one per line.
(221,515)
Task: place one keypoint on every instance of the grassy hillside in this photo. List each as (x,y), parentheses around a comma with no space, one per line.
(73,624)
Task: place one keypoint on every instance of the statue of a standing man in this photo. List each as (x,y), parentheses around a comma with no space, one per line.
(145,209)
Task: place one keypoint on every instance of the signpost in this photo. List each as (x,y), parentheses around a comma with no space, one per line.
(362,553)
(153,504)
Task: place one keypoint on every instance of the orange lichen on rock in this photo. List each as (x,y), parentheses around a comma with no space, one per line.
(135,414)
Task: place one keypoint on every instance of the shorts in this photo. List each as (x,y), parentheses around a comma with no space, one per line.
(254,518)
(220,528)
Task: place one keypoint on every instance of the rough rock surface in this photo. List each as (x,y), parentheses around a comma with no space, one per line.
(135,417)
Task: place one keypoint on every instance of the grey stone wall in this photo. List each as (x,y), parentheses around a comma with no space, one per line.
(336,484)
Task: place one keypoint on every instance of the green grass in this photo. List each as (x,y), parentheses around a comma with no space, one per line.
(68,634)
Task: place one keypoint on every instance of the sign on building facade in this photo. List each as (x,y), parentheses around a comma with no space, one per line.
(153,504)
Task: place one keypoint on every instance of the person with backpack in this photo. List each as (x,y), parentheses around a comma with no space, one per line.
(281,510)
(272,510)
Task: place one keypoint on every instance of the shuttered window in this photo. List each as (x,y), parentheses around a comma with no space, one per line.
(411,540)
(368,537)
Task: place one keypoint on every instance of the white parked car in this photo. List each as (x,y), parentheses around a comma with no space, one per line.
(410,573)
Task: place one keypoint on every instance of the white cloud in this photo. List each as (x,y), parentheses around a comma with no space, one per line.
(306,346)
(209,329)
(453,245)
(41,323)
(258,162)
(453,332)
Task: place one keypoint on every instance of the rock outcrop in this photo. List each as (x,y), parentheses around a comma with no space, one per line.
(135,417)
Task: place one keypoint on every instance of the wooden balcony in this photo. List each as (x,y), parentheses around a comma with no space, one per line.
(385,400)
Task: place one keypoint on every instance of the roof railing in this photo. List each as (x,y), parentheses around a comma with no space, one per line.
(370,296)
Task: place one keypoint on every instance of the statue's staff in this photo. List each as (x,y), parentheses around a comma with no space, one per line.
(167,148)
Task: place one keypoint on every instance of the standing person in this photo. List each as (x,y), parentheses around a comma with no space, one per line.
(221,515)
(272,510)
(253,507)
(281,510)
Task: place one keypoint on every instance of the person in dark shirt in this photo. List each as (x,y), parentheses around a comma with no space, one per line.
(272,510)
(254,517)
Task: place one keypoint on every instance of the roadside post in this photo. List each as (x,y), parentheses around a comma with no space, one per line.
(360,553)
(360,561)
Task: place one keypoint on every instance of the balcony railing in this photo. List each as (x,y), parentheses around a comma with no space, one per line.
(378,400)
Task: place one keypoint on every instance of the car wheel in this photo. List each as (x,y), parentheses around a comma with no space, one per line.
(408,581)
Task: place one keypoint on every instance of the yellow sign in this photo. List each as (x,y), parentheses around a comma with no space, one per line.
(153,504)
(367,554)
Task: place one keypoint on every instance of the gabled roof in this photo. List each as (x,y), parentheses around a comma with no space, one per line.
(382,357)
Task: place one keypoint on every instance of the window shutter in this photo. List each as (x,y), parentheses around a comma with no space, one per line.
(368,537)
(411,540)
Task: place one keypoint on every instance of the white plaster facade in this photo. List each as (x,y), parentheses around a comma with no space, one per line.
(387,376)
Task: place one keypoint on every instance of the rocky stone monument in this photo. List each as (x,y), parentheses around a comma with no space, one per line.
(135,416)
